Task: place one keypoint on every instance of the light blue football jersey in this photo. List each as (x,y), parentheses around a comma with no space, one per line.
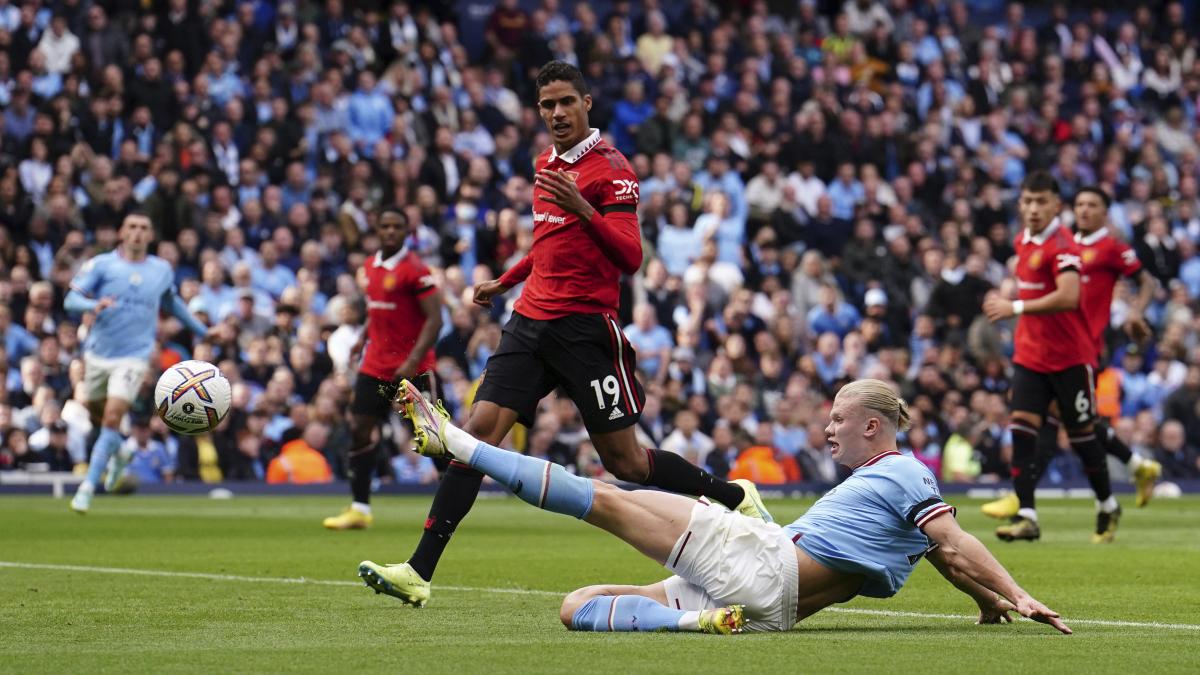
(128,328)
(871,523)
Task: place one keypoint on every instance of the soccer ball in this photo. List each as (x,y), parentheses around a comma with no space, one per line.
(192,397)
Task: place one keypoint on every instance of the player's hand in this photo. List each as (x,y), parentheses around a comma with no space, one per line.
(997,308)
(104,303)
(487,290)
(356,349)
(1137,329)
(995,611)
(563,191)
(1032,609)
(406,371)
(222,332)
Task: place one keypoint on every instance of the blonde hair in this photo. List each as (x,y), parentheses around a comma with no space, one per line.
(880,397)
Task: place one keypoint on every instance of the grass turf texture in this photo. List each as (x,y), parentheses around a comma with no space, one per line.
(86,621)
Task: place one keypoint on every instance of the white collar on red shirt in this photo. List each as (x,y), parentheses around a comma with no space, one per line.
(579,150)
(1089,239)
(1045,234)
(391,262)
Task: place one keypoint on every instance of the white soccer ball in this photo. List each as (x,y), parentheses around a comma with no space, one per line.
(192,397)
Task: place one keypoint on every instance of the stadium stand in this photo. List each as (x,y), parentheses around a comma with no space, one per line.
(826,193)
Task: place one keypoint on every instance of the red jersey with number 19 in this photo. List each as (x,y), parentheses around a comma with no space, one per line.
(1105,259)
(395,286)
(574,267)
(1049,343)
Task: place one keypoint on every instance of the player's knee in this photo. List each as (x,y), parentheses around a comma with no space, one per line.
(1022,417)
(603,496)
(574,600)
(361,436)
(627,465)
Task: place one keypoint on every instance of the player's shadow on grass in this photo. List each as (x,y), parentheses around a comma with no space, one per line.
(867,629)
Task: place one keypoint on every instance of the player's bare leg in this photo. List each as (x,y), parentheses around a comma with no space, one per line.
(108,442)
(628,461)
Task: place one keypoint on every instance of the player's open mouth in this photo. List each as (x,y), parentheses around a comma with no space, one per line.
(562,128)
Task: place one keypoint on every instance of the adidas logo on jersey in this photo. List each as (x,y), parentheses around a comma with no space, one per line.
(616,414)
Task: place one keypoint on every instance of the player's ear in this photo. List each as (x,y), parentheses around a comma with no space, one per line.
(587,102)
(872,427)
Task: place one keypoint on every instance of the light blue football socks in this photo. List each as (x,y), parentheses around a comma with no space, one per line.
(625,613)
(108,442)
(543,484)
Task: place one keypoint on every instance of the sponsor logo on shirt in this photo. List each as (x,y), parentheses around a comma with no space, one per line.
(626,189)
(542,216)
(616,414)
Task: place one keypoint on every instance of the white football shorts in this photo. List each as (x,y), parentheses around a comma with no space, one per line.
(119,377)
(725,558)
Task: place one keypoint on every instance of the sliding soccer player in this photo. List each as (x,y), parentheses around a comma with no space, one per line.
(735,573)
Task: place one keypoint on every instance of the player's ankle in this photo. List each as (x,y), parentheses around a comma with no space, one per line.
(1108,505)
(1135,462)
(1027,514)
(461,444)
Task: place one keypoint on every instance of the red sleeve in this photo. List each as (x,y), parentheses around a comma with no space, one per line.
(1066,259)
(517,273)
(422,281)
(614,226)
(1127,262)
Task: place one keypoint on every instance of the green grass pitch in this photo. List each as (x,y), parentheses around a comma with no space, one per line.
(195,585)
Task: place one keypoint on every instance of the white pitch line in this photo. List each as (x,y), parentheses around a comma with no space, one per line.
(525,591)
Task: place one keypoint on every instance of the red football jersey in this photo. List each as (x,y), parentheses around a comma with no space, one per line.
(394,287)
(1105,259)
(574,267)
(1048,343)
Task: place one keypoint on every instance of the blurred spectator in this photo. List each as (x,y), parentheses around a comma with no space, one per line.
(150,463)
(409,468)
(300,460)
(687,440)
(1179,458)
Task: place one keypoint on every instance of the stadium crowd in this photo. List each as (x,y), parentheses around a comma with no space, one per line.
(826,192)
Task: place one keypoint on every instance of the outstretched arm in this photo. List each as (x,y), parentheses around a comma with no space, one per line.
(967,564)
(178,309)
(1136,325)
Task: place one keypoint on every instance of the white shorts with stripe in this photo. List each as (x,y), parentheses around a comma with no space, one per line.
(119,377)
(725,558)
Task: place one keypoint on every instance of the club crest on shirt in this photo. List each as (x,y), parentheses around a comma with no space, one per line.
(1089,255)
(389,282)
(573,175)
(135,279)
(1035,260)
